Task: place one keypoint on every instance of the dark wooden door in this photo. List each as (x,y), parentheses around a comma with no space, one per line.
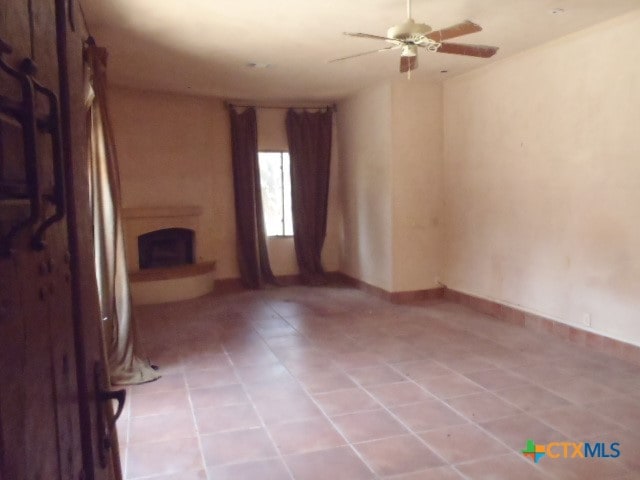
(99,439)
(54,422)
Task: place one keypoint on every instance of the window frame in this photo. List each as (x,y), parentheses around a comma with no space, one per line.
(281,152)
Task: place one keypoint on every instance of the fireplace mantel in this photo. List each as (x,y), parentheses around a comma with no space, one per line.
(161,212)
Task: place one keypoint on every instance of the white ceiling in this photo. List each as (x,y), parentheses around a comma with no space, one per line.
(203,46)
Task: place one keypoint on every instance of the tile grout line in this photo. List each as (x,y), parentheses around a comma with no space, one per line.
(473,422)
(384,408)
(486,390)
(323,413)
(410,430)
(195,423)
(434,397)
(262,422)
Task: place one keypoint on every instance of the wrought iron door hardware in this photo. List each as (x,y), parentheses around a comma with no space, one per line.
(50,124)
(21,111)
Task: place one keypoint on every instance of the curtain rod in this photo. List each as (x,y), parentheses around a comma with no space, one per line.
(273,107)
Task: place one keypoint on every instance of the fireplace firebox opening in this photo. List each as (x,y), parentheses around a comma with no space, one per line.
(169,247)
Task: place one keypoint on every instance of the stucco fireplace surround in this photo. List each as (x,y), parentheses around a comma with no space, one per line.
(166,275)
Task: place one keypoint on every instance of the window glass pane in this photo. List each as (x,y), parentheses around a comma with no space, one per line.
(275,183)
(286,169)
(271,185)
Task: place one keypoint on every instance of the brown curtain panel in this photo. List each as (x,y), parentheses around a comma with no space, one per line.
(309,137)
(253,258)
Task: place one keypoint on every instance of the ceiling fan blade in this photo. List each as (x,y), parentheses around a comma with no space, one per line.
(408,63)
(483,51)
(364,53)
(457,30)
(367,35)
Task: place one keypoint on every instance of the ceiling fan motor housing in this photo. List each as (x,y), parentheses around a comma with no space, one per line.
(409,31)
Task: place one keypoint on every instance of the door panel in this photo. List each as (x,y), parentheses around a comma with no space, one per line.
(14,28)
(101,456)
(49,326)
(35,407)
(12,394)
(55,247)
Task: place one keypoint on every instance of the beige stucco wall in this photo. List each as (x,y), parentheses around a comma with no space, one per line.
(416,166)
(390,140)
(542,180)
(175,150)
(364,143)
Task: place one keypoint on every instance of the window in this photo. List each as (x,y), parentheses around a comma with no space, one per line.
(275,182)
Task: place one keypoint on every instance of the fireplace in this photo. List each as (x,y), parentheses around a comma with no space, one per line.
(165,260)
(168,247)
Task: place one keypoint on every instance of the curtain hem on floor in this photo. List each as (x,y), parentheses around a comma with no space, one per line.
(253,257)
(309,138)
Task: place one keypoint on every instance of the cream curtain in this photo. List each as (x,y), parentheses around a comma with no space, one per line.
(125,364)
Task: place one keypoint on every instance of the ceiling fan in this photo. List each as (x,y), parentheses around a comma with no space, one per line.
(409,37)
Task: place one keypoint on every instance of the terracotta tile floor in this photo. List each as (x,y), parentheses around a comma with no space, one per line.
(332,383)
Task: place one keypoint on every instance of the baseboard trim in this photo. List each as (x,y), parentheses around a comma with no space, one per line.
(224,286)
(409,296)
(538,323)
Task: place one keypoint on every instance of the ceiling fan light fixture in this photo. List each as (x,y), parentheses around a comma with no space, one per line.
(409,51)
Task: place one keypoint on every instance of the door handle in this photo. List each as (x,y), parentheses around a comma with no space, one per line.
(119,396)
(106,421)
